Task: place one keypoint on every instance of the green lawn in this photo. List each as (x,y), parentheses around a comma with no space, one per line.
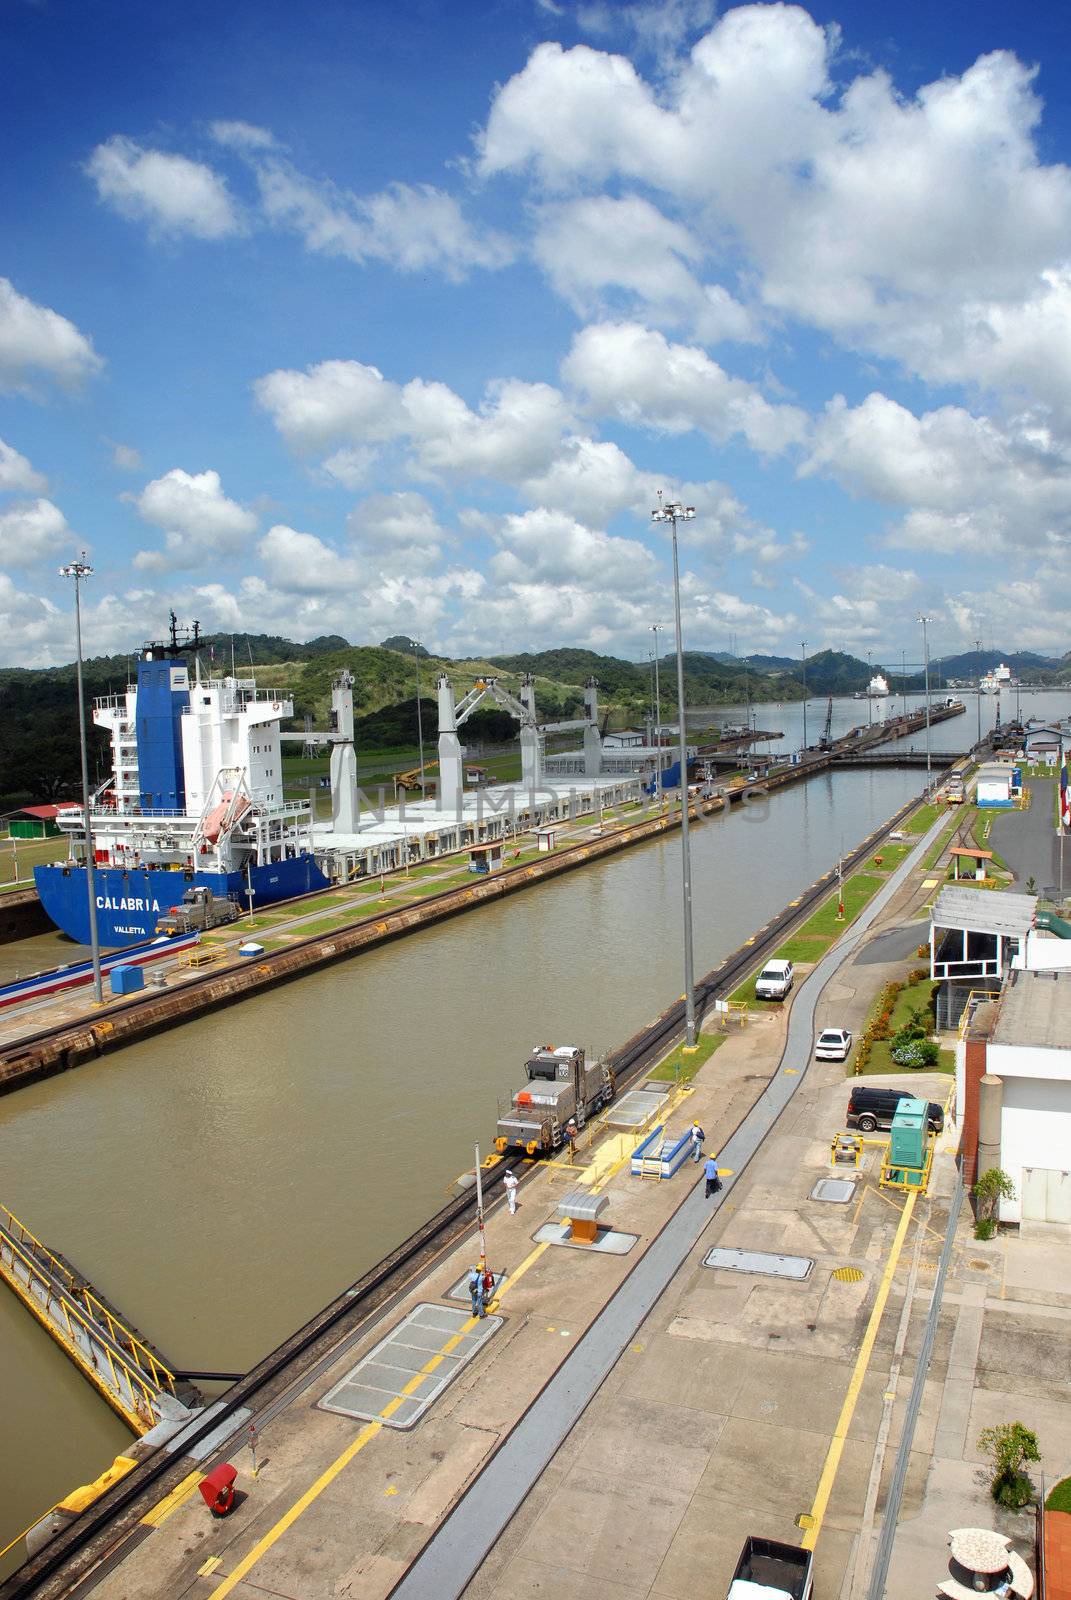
(916,996)
(679,1068)
(924,819)
(18,857)
(936,851)
(817,933)
(1060,1496)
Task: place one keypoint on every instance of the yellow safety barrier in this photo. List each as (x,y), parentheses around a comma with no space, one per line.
(81,1499)
(146,1376)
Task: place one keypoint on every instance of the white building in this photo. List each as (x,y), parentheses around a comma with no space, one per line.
(994,786)
(1027,1046)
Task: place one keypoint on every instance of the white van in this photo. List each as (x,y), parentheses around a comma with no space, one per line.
(774,981)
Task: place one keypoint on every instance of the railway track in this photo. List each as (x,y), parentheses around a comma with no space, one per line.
(98,1535)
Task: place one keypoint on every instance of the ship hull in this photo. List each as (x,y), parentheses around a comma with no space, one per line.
(129,904)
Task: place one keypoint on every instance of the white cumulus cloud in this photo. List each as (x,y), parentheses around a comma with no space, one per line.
(16,473)
(36,340)
(199,522)
(173,194)
(635,374)
(32,531)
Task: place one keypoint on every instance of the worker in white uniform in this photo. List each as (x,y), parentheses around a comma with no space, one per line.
(509,1183)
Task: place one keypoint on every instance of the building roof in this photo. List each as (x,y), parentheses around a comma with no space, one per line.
(1036,1010)
(41,813)
(991,772)
(975,855)
(984,910)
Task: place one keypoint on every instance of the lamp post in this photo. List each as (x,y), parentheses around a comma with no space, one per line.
(655,629)
(869,696)
(78,570)
(673,513)
(978,684)
(803,647)
(419,719)
(926,664)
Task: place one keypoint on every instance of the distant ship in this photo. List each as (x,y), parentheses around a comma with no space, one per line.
(876,689)
(195,797)
(999,678)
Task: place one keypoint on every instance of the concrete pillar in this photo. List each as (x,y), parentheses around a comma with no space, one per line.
(342,704)
(531,739)
(990,1107)
(974,1071)
(451,780)
(344,785)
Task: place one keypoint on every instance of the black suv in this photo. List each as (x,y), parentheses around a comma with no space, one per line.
(875,1108)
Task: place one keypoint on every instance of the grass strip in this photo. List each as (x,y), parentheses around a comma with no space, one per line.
(1060,1496)
(912,997)
(820,930)
(679,1068)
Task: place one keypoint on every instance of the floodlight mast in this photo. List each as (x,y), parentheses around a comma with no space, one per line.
(79,571)
(673,512)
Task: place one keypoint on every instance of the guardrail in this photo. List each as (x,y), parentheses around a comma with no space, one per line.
(127,1372)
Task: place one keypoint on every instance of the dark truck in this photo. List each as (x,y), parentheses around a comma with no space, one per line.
(768,1570)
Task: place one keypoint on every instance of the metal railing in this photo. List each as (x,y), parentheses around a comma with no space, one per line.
(976,998)
(48,1265)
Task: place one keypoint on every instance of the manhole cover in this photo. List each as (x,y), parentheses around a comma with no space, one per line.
(835,1191)
(761,1262)
(848,1275)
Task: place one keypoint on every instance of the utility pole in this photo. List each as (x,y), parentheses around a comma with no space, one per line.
(419,722)
(903,680)
(978,684)
(79,570)
(869,696)
(655,627)
(926,661)
(803,647)
(673,513)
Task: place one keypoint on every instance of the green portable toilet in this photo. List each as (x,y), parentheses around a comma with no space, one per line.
(907,1138)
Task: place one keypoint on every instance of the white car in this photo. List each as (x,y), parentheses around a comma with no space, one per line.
(833,1044)
(774,981)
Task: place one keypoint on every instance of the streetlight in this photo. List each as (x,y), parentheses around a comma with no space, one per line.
(869,696)
(673,513)
(655,628)
(419,721)
(803,647)
(926,660)
(978,685)
(78,570)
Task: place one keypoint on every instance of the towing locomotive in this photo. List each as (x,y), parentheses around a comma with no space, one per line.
(561,1087)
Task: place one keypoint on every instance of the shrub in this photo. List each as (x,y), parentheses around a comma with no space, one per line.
(992,1187)
(912,1052)
(985,1228)
(1011,1446)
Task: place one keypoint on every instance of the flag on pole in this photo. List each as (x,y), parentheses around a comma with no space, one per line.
(1065,798)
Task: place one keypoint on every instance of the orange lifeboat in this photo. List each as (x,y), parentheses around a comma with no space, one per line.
(217,816)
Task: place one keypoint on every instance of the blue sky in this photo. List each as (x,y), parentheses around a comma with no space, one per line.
(380,318)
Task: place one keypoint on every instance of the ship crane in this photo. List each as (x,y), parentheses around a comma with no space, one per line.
(826,741)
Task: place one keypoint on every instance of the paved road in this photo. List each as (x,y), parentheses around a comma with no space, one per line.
(1029,843)
(453,1555)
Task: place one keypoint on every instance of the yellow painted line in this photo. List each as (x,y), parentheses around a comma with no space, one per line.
(171,1502)
(275,1533)
(792,1071)
(847,1410)
(209,1566)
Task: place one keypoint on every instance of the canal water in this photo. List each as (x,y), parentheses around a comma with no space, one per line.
(222,1181)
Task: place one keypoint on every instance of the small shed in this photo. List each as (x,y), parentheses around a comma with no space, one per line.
(1045,752)
(34,822)
(476,776)
(485,858)
(995,784)
(965,856)
(546,839)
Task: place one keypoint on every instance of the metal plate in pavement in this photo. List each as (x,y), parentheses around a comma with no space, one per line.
(392,1384)
(761,1262)
(835,1191)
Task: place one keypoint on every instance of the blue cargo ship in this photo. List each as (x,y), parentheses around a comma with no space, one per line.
(195,797)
